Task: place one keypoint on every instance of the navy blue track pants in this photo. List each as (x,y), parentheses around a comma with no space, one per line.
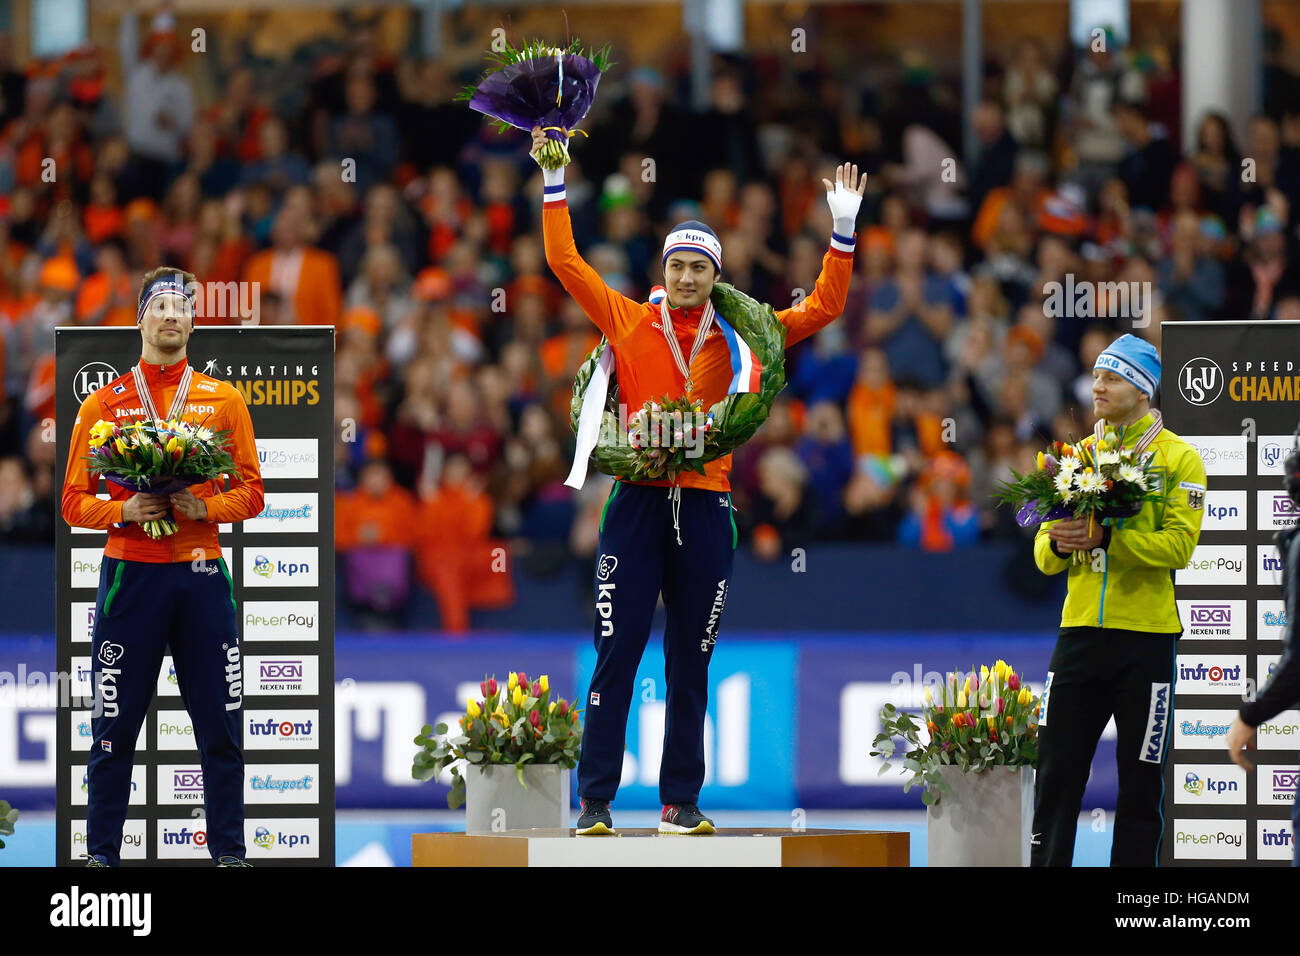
(639,557)
(140,611)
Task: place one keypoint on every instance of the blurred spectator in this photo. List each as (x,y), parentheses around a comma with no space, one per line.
(998,147)
(826,452)
(161,104)
(1218,164)
(1149,161)
(305,278)
(941,518)
(457,560)
(1030,91)
(363,138)
(1189,280)
(910,314)
(784,515)
(374,533)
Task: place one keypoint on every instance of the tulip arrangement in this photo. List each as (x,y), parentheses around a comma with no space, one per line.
(518,724)
(980,720)
(158,458)
(663,434)
(1100,479)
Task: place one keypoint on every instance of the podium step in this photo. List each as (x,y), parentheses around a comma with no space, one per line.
(728,847)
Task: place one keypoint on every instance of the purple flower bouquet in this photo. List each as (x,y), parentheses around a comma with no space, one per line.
(541,85)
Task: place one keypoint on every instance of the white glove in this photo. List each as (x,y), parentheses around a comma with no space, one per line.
(844,203)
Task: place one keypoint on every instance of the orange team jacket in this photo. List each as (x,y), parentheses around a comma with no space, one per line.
(213,402)
(643,362)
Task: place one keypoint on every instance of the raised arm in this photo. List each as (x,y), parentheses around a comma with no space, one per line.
(826,302)
(614,313)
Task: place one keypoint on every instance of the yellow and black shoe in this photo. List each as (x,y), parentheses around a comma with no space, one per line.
(595,819)
(684,818)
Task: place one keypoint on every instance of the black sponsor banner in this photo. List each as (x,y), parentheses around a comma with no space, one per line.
(1232,390)
(282,567)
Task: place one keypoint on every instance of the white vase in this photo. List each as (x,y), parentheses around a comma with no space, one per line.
(986,819)
(494,801)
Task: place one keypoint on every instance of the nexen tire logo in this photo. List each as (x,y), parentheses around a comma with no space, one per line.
(1157,724)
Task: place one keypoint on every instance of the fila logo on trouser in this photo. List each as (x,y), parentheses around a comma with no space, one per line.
(710,632)
(605,593)
(1153,741)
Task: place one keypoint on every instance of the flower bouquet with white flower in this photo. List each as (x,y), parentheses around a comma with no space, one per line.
(158,458)
(1099,479)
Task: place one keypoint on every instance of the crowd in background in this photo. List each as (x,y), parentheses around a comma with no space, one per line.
(456,348)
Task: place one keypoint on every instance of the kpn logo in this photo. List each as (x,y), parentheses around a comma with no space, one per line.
(263,566)
(264,838)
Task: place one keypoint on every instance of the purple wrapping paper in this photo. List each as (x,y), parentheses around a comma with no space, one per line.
(155,486)
(523,93)
(1028,514)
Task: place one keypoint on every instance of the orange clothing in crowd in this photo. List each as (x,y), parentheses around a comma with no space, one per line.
(214,402)
(990,211)
(870,414)
(39,400)
(317,297)
(102,222)
(94,294)
(456,559)
(364,520)
(644,363)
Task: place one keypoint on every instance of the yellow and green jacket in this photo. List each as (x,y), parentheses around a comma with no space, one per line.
(1130,586)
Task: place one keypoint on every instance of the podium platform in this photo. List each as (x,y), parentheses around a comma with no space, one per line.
(728,847)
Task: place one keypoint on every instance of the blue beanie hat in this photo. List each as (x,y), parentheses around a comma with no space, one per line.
(1133,359)
(694,236)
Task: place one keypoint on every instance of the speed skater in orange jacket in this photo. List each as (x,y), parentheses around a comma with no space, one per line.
(681,544)
(171,593)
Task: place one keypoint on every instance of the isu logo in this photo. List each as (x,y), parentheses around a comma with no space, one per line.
(1200,381)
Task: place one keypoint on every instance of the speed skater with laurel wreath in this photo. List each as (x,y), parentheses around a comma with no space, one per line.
(699,340)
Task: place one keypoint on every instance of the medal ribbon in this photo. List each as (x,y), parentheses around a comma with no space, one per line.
(706,323)
(178,403)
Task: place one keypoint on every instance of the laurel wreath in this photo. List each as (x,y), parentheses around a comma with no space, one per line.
(734,419)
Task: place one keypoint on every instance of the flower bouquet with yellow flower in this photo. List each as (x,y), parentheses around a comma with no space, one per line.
(158,458)
(1097,478)
(979,720)
(518,724)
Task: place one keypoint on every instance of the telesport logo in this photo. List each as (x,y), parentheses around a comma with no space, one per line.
(264,838)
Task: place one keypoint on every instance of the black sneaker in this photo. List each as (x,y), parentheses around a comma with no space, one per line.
(684,818)
(595,819)
(95,861)
(232,861)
